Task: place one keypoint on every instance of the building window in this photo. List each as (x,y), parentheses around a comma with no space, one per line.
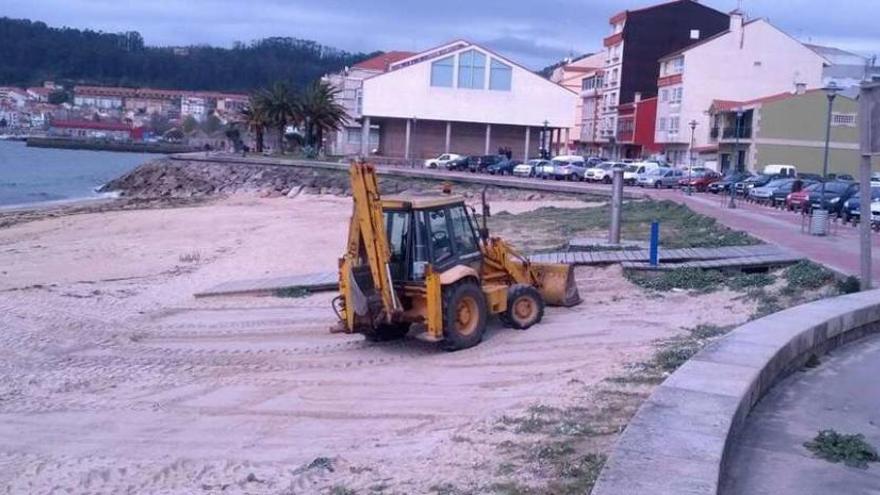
(843,119)
(661,124)
(674,125)
(678,65)
(499,76)
(664,95)
(353,136)
(471,70)
(441,72)
(614,77)
(676,95)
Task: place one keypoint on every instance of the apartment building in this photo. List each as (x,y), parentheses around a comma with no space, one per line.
(788,128)
(349,83)
(461,97)
(749,60)
(572,75)
(638,39)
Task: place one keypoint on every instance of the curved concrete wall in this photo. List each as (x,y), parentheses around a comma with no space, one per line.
(677,442)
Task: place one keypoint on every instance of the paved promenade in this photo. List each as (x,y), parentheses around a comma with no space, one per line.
(843,393)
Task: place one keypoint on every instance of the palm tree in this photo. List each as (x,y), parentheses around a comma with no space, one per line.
(254,116)
(319,109)
(279,105)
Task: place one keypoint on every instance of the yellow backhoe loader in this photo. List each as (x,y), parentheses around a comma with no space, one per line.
(424,260)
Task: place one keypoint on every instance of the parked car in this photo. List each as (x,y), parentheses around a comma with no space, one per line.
(836,195)
(796,185)
(631,174)
(569,167)
(764,194)
(529,168)
(851,208)
(442,160)
(660,177)
(837,192)
(546,170)
(743,187)
(699,181)
(602,172)
(504,166)
(783,170)
(812,177)
(800,199)
(460,163)
(481,163)
(723,184)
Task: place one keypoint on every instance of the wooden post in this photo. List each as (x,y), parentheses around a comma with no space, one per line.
(528,138)
(616,206)
(448,136)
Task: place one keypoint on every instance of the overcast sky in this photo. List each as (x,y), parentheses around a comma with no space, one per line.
(534,33)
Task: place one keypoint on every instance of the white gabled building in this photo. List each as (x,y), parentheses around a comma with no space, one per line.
(463,98)
(749,60)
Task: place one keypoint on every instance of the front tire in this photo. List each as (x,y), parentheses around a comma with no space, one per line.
(464,315)
(525,307)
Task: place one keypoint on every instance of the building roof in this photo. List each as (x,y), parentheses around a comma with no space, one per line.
(730,105)
(622,14)
(830,51)
(91,124)
(381,62)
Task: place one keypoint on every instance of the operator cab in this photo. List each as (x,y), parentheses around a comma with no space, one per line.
(435,230)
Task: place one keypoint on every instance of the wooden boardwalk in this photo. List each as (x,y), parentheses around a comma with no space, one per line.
(761,255)
(666,255)
(266,286)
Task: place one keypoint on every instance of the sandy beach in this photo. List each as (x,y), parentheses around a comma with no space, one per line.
(116,380)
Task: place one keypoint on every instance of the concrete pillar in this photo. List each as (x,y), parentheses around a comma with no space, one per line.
(406,151)
(567,149)
(488,138)
(448,136)
(528,138)
(365,137)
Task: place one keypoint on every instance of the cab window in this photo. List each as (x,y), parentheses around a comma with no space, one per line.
(441,243)
(464,240)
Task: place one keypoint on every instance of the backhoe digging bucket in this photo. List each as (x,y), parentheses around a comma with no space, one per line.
(557,284)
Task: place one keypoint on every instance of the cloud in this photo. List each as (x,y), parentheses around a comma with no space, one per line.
(532,33)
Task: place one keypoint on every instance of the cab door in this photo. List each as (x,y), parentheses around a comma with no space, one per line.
(451,238)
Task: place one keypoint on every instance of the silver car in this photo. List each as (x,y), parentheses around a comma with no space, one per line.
(660,177)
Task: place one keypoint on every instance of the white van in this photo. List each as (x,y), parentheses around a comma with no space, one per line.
(634,170)
(786,170)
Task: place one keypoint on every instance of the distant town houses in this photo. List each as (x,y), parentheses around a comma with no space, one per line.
(665,84)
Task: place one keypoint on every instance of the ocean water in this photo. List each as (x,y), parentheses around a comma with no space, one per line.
(29,176)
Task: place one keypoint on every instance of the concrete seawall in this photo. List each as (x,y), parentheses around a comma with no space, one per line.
(678,441)
(98,145)
(426,174)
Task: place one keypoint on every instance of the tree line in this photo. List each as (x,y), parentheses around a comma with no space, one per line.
(32,52)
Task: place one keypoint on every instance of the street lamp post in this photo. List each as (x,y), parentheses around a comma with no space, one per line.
(690,186)
(831,92)
(736,164)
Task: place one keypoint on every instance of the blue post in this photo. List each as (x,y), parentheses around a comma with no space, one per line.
(655,243)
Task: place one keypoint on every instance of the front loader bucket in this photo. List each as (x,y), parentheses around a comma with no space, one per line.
(557,284)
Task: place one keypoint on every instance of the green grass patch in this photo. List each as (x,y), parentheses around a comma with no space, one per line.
(835,447)
(680,227)
(671,354)
(806,275)
(698,280)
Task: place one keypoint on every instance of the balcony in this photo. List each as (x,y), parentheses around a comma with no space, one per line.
(714,133)
(745,132)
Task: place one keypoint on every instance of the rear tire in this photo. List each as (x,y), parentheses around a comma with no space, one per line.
(464,315)
(525,307)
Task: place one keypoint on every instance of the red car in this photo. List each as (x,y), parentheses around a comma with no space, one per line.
(796,201)
(700,182)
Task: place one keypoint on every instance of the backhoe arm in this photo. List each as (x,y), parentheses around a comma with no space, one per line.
(367,244)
